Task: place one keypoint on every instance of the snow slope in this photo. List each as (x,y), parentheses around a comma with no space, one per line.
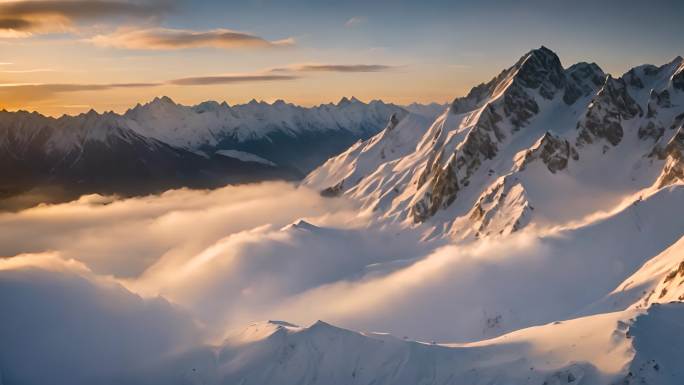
(538,145)
(207,123)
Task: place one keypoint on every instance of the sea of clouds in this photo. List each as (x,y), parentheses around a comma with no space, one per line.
(103,285)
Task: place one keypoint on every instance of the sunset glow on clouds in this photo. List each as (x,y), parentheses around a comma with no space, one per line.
(67,56)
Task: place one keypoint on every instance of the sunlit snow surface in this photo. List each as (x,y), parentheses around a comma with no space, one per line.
(582,287)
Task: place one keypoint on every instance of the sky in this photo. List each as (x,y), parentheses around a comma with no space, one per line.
(68,56)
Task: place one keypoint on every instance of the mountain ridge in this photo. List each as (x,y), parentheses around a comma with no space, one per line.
(161,144)
(570,119)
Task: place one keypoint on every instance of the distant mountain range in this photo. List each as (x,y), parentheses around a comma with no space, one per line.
(161,144)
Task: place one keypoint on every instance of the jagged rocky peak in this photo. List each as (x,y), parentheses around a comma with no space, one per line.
(610,107)
(555,151)
(583,79)
(209,106)
(348,101)
(163,100)
(541,69)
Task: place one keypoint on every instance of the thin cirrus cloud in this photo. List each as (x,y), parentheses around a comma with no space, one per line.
(228,79)
(13,93)
(354,21)
(172,39)
(349,68)
(24,18)
(27,71)
(29,91)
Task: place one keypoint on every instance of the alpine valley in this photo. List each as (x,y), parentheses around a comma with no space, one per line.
(161,145)
(530,232)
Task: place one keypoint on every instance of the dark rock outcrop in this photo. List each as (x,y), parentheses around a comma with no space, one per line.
(553,150)
(583,79)
(603,120)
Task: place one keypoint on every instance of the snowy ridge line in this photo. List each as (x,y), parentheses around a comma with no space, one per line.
(566,142)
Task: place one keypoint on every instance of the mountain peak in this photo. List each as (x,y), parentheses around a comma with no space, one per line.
(343,102)
(163,100)
(542,51)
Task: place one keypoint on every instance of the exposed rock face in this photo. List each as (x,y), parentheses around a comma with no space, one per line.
(393,121)
(678,77)
(651,130)
(501,210)
(450,172)
(539,71)
(440,193)
(673,153)
(603,120)
(583,79)
(677,122)
(443,182)
(553,150)
(333,191)
(633,79)
(658,99)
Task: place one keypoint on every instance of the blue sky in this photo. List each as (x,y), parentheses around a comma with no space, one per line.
(433,50)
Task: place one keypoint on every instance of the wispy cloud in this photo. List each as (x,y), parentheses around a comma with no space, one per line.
(20,18)
(354,21)
(15,24)
(335,68)
(27,71)
(170,39)
(228,79)
(18,93)
(72,87)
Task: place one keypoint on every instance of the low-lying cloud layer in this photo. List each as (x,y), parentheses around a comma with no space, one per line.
(116,283)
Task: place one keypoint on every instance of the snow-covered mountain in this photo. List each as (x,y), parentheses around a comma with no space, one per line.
(281,132)
(99,153)
(431,110)
(530,233)
(161,144)
(615,348)
(539,145)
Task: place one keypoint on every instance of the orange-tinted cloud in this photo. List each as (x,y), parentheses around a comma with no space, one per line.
(335,68)
(227,79)
(170,39)
(22,18)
